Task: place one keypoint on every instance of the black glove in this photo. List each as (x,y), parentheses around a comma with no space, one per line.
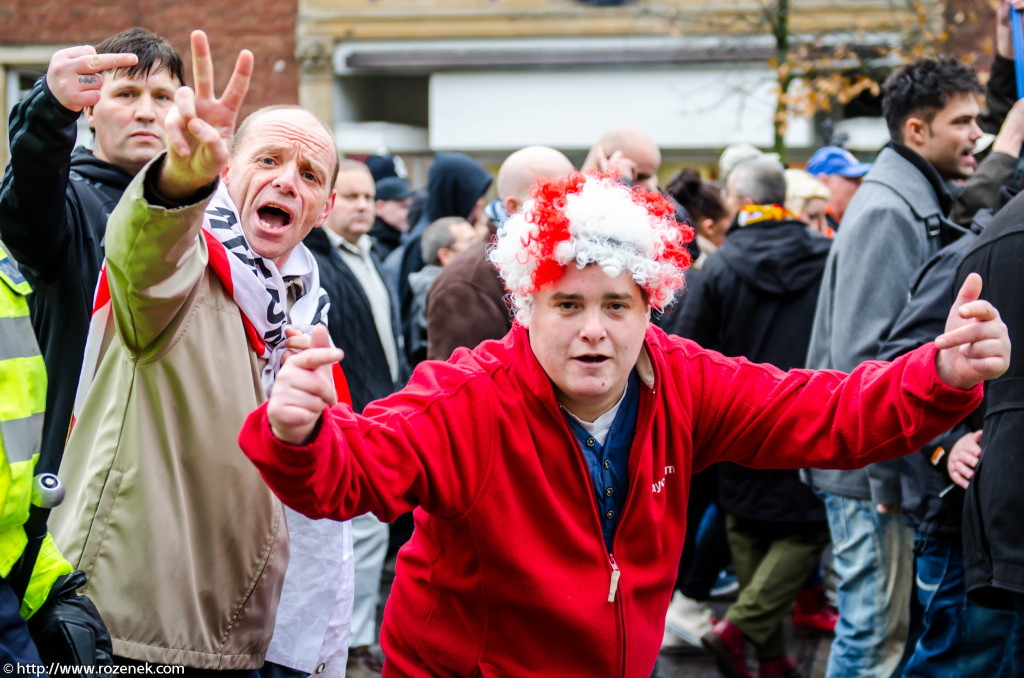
(68,628)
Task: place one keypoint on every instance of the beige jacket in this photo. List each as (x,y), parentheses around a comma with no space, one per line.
(184,545)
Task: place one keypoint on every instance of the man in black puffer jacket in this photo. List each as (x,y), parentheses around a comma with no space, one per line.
(55,198)
(755,298)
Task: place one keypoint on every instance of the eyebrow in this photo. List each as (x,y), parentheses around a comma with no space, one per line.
(611,296)
(281,148)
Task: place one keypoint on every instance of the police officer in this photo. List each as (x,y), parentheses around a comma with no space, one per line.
(37,583)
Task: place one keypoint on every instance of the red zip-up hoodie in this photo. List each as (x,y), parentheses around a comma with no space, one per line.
(507,572)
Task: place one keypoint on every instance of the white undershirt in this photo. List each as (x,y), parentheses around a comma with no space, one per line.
(599,427)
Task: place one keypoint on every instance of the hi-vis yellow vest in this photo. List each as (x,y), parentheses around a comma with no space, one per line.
(22,403)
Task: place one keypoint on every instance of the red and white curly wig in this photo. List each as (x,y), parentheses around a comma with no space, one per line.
(586,219)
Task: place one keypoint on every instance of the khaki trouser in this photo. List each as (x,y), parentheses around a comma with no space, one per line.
(771,565)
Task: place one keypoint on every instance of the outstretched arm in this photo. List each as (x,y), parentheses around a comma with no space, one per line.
(153,246)
(417,447)
(35,221)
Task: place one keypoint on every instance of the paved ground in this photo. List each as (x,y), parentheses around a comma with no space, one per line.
(810,649)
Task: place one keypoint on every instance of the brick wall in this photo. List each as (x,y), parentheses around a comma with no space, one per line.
(267,27)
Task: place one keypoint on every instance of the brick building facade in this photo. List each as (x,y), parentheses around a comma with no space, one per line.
(31,30)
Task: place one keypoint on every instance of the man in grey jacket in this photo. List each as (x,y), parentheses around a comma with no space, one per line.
(894,223)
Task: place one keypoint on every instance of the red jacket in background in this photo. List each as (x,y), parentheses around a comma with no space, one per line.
(507,573)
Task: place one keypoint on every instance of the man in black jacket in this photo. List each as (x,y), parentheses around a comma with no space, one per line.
(755,298)
(958,637)
(55,198)
(362,323)
(993,551)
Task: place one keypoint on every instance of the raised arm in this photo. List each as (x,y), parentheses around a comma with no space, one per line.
(155,255)
(35,217)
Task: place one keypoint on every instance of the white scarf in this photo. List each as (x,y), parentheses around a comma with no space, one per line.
(253,282)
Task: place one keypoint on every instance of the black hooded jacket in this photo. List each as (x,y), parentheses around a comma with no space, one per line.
(54,204)
(993,549)
(351,324)
(755,297)
(930,501)
(454,184)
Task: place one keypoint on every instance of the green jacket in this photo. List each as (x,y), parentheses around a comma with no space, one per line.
(22,402)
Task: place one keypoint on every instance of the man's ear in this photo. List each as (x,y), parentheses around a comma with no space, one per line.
(224,174)
(89,116)
(914,131)
(511,205)
(328,206)
(444,255)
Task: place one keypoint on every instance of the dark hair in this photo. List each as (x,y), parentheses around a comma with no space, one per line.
(155,53)
(702,198)
(922,88)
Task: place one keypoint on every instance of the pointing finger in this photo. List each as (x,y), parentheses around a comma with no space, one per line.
(979,309)
(76,51)
(315,358)
(96,63)
(966,334)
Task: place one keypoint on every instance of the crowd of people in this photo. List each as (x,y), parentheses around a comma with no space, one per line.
(259,367)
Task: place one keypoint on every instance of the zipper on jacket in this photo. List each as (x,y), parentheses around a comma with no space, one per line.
(613,586)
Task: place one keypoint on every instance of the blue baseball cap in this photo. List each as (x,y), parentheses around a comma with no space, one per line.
(835,160)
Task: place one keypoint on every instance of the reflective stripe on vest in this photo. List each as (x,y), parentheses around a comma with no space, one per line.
(22,377)
(21,438)
(16,338)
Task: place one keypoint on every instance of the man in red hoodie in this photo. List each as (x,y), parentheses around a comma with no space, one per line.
(548,472)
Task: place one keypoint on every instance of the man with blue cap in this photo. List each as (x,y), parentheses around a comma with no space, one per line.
(840,171)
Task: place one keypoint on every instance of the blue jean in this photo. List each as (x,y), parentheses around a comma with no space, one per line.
(960,638)
(873,558)
(272,670)
(16,647)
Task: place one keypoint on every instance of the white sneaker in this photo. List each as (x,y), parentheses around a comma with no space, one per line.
(687,619)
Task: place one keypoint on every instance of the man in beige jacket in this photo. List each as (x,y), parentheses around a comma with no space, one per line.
(184,545)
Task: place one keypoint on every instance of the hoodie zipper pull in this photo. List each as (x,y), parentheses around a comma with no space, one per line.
(614,584)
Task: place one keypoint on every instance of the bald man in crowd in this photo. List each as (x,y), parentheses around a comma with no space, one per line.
(632,151)
(466,304)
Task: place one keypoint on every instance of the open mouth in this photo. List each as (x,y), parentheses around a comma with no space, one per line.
(272,216)
(592,359)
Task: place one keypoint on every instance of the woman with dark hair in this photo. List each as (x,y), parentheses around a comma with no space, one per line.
(702,198)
